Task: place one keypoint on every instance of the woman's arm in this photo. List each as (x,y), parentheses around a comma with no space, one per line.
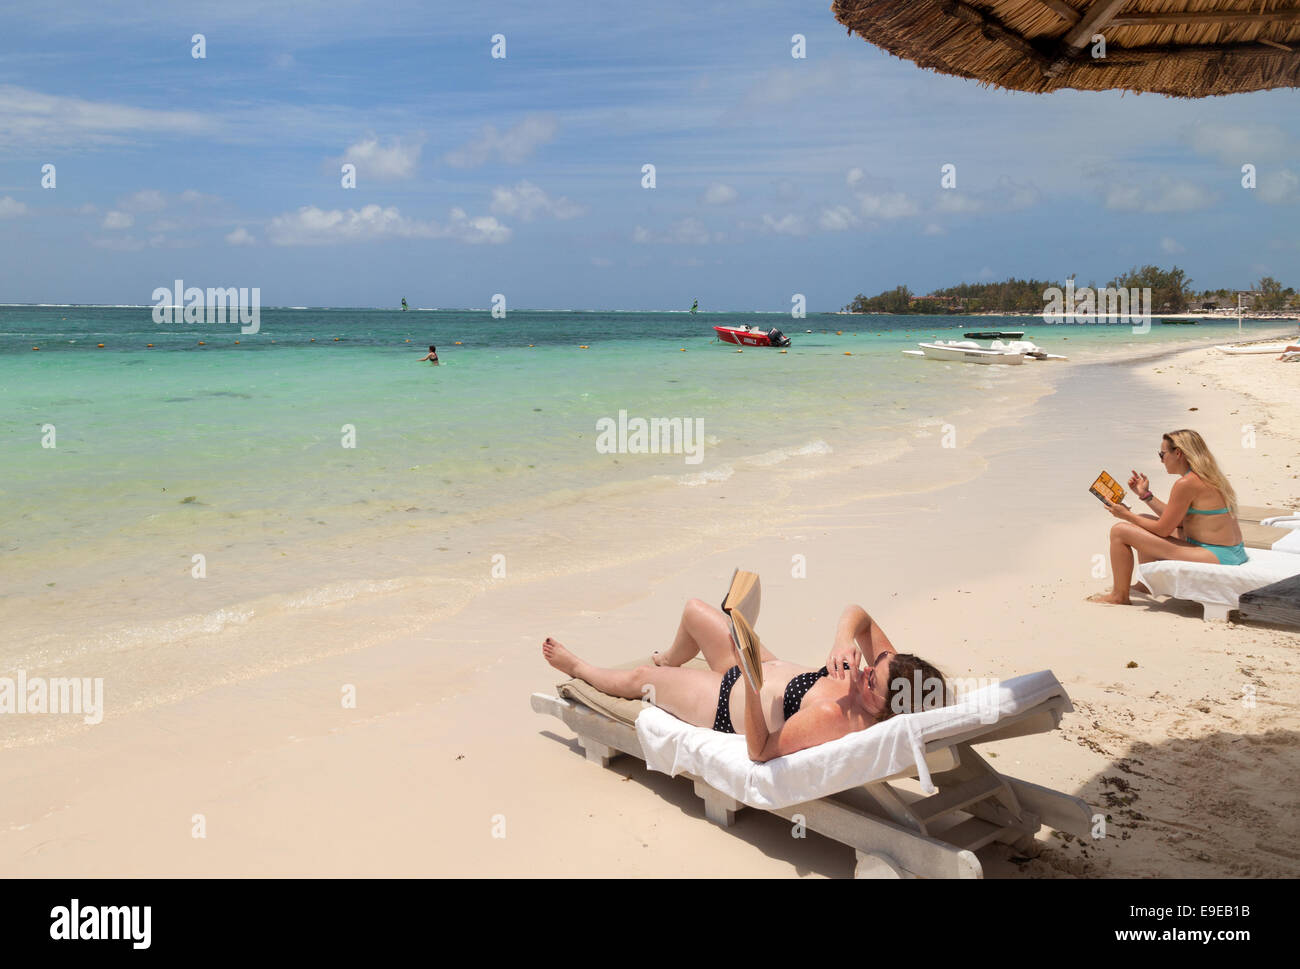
(1171,513)
(857,637)
(815,723)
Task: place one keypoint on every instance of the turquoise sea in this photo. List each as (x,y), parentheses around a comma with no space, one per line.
(317,460)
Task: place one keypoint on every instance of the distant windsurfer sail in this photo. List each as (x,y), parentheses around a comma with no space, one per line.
(695,306)
(403,304)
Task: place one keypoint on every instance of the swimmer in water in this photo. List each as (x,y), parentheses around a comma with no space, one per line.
(431,356)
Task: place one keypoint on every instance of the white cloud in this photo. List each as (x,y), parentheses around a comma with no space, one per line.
(837,219)
(11,208)
(283,62)
(687,232)
(1279,187)
(933,229)
(601,262)
(1171,246)
(382,162)
(30,117)
(1166,195)
(887,205)
(719,194)
(240,237)
(854,176)
(512,146)
(954,202)
(311,226)
(118,220)
(1238,144)
(88,208)
(528,201)
(789,224)
(145,200)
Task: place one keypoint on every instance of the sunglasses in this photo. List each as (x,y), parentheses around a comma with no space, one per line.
(871,678)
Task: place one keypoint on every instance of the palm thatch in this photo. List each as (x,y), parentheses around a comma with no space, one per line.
(1182,48)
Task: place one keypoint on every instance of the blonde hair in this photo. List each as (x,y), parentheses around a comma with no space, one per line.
(1202,462)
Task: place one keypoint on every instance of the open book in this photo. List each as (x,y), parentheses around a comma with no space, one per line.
(1107,489)
(741,606)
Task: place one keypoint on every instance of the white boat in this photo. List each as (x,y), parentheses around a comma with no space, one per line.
(1253,348)
(967,351)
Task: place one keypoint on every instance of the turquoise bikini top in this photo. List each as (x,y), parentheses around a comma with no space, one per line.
(1196,511)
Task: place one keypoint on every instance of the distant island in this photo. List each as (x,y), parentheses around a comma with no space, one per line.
(1171,292)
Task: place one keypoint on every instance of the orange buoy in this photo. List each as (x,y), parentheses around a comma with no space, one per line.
(458,343)
(683,349)
(336,339)
(148,345)
(785,351)
(313,339)
(99,344)
(584,347)
(848,353)
(35,348)
(839,332)
(202,344)
(236,343)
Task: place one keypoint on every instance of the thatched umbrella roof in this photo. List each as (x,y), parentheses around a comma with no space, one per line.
(1184,48)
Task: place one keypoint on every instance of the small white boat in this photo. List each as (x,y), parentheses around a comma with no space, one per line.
(1237,348)
(967,351)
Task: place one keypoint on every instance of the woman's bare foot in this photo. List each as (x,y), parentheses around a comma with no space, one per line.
(1110,598)
(559,657)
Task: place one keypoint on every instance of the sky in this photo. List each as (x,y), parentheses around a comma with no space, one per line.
(522,175)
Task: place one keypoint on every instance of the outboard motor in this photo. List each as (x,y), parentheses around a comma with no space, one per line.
(777,338)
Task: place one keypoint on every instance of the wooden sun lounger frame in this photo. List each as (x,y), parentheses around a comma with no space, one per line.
(894,833)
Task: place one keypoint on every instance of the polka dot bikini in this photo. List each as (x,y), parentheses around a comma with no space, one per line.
(790,701)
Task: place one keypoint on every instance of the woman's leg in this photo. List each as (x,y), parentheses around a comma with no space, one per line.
(703,629)
(1127,538)
(690,695)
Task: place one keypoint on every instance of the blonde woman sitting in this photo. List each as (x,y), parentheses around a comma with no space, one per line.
(1197,524)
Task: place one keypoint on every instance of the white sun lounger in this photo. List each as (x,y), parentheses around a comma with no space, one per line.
(845,789)
(1219,587)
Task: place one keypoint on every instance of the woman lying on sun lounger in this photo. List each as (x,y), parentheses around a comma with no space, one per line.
(1202,510)
(796,708)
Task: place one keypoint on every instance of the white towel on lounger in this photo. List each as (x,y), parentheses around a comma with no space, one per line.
(1220,585)
(722,760)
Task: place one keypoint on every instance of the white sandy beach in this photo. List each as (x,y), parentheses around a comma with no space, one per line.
(985,578)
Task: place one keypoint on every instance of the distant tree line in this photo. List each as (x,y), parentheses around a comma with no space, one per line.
(1171,292)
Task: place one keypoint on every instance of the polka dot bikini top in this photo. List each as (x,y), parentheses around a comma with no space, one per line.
(797,687)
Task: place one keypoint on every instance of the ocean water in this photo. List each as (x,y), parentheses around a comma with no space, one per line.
(194,491)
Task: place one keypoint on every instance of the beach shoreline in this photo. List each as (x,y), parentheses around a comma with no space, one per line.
(288,780)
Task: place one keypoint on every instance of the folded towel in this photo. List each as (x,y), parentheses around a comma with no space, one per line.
(1290,542)
(898,744)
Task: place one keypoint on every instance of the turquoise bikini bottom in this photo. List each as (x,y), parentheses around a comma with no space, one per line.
(1226,554)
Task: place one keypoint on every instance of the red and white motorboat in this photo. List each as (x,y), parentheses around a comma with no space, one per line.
(752,336)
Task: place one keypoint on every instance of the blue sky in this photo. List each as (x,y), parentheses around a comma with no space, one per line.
(522,175)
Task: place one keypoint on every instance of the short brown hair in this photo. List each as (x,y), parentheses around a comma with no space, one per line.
(913,685)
